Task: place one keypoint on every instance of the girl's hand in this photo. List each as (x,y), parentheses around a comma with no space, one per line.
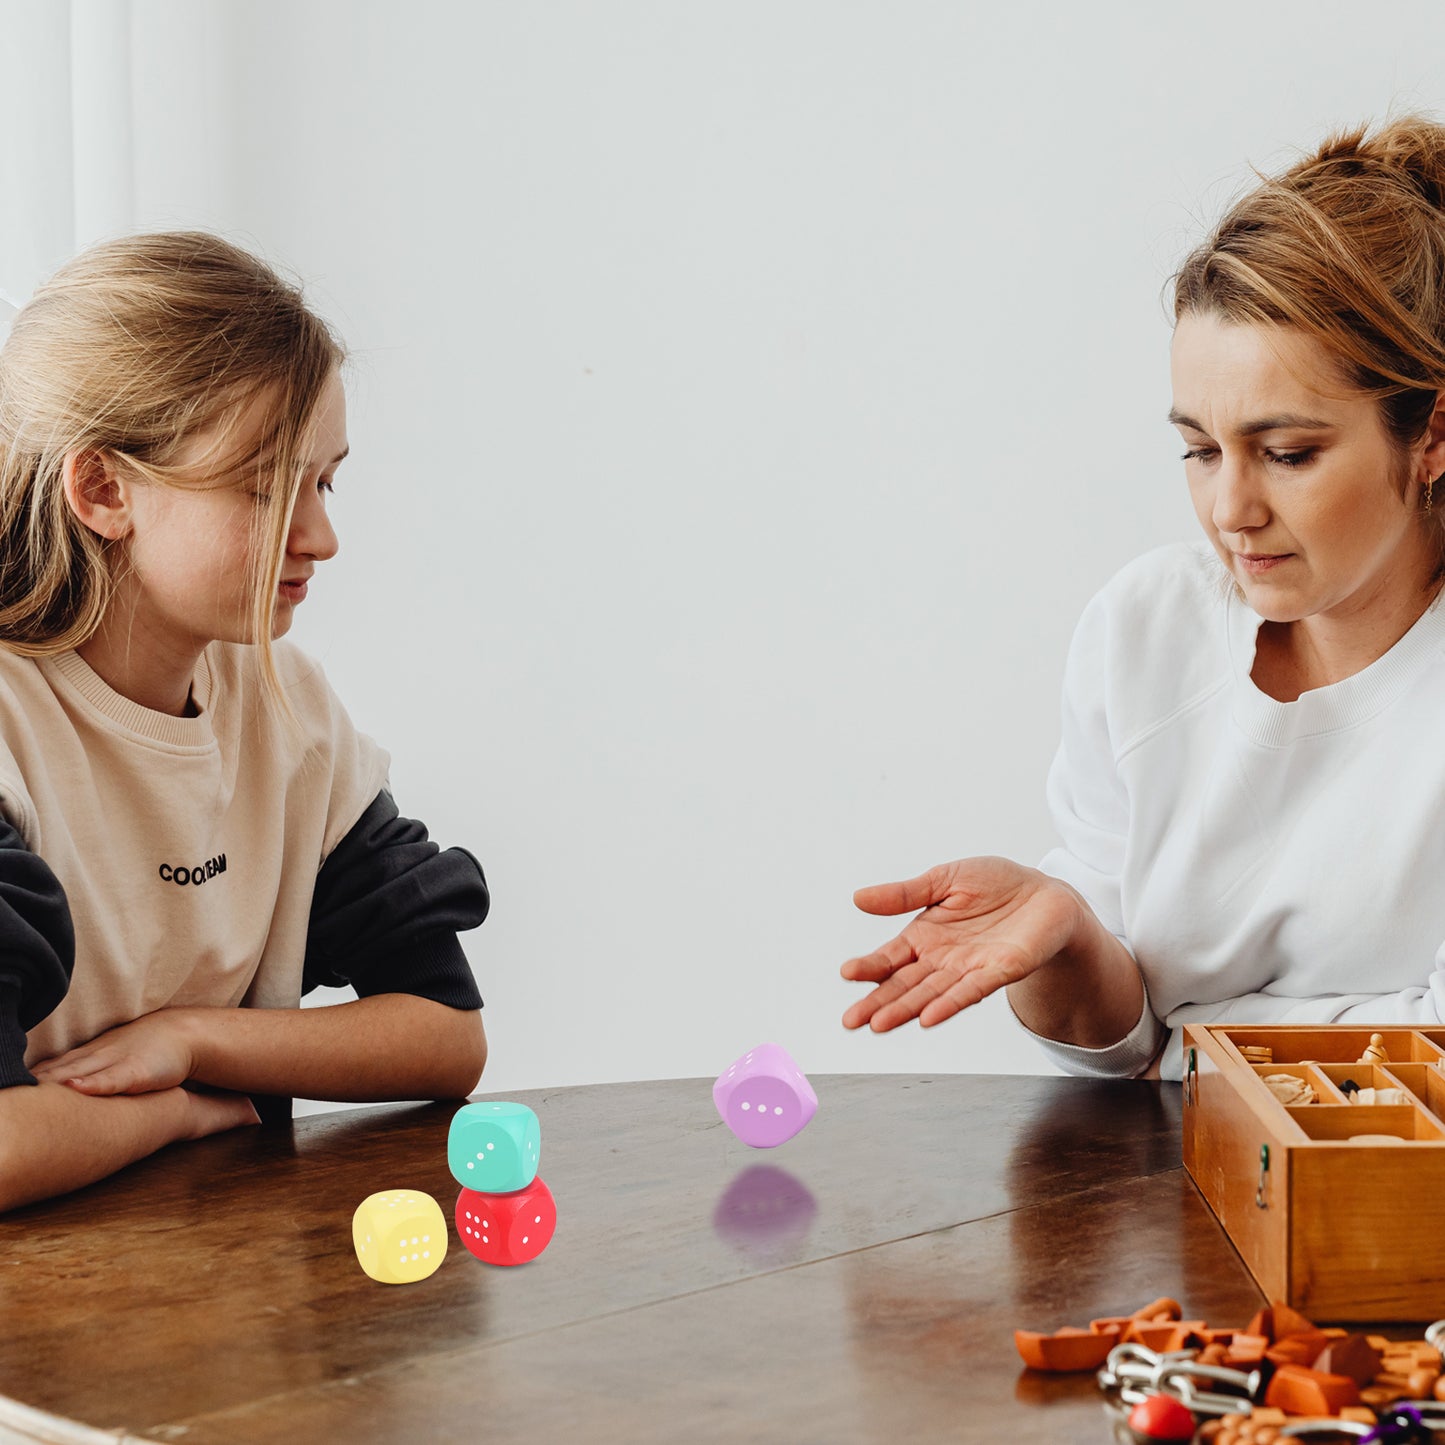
(986,922)
(213,1111)
(150,1054)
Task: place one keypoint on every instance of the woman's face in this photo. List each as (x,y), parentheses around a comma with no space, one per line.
(1311,505)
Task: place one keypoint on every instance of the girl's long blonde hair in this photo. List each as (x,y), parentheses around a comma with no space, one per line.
(128,352)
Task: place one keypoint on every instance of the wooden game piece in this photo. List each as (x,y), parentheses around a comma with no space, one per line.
(1257,1053)
(1162,1308)
(1267,1415)
(1277,1321)
(1301,1349)
(1297,1390)
(1374,1139)
(1354,1356)
(1378,1396)
(1375,1053)
(1246,1350)
(1423,1382)
(1439,1390)
(1065,1350)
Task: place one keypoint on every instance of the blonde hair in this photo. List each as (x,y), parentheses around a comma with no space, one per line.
(1348,247)
(128,352)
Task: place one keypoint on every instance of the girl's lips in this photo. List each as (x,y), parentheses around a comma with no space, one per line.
(1261,562)
(294,591)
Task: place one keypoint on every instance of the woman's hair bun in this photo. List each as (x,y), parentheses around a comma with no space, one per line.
(1411,147)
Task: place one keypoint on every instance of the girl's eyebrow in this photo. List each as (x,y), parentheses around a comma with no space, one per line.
(1286,421)
(340,457)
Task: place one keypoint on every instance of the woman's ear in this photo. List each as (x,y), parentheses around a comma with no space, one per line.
(96,493)
(1433,457)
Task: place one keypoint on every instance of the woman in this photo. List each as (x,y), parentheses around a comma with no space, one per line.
(1249,791)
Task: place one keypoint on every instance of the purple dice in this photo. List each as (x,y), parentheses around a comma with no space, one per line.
(765,1098)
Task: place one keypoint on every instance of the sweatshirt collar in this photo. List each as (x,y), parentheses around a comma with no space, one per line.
(1342,704)
(77,677)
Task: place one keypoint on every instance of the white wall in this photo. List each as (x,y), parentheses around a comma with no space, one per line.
(747,398)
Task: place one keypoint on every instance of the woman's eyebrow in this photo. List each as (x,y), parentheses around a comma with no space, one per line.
(1285,421)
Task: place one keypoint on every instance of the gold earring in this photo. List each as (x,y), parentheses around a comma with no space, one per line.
(1429,495)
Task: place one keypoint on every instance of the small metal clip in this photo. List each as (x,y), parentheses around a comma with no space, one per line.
(1183,1381)
(1259,1198)
(1435,1334)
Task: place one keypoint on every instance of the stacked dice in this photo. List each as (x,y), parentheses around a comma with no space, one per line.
(505,1213)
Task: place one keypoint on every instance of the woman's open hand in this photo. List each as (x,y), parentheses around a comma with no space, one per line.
(986,922)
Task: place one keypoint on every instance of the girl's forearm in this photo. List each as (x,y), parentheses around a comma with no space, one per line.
(1089,994)
(53,1139)
(389,1046)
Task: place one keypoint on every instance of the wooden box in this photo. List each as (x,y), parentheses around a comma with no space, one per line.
(1338,1226)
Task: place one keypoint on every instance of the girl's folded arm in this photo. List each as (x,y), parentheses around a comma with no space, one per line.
(53,1139)
(389,1046)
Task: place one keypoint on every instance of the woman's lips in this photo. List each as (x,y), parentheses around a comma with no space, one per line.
(293,591)
(1257,562)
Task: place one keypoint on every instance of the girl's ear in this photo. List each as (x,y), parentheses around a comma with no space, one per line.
(96,493)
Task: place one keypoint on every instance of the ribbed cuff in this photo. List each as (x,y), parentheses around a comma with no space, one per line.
(12,1040)
(1130,1056)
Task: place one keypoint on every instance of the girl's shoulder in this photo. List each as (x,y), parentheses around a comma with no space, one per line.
(235,688)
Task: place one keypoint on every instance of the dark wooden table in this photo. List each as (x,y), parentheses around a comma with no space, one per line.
(860,1283)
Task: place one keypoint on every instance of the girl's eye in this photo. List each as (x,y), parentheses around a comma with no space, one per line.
(1198,454)
(325,485)
(1292,459)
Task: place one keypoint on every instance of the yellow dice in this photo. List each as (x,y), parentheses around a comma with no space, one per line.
(400,1235)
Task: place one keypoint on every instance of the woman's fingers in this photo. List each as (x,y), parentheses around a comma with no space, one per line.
(908,896)
(881,963)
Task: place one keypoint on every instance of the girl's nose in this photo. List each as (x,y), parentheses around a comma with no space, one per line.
(312,534)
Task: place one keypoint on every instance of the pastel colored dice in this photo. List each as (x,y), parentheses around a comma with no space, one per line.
(400,1235)
(507,1228)
(494,1147)
(765,1098)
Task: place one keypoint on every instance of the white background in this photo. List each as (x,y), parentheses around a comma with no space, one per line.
(746,398)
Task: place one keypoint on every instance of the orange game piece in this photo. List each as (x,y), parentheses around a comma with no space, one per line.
(1067,1349)
(1297,1349)
(1300,1391)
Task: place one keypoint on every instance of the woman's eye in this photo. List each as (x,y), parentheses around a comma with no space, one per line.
(1292,459)
(324,485)
(1198,454)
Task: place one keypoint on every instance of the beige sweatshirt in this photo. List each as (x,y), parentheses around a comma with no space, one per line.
(188,847)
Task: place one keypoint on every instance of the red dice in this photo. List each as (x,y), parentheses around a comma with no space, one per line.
(507,1228)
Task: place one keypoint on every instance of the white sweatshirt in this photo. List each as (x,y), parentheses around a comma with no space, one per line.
(1265,862)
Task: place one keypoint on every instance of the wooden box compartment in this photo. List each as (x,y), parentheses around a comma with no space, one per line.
(1342,1227)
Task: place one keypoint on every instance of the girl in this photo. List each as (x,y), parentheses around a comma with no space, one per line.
(192,834)
(1250,788)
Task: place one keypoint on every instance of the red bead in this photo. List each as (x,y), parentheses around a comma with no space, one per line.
(507,1228)
(1161,1417)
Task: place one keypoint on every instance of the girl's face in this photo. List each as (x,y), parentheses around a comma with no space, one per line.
(1309,502)
(190,551)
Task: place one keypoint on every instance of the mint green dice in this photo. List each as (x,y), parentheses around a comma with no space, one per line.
(494,1147)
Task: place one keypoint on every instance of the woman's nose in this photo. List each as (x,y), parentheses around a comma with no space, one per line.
(1239,502)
